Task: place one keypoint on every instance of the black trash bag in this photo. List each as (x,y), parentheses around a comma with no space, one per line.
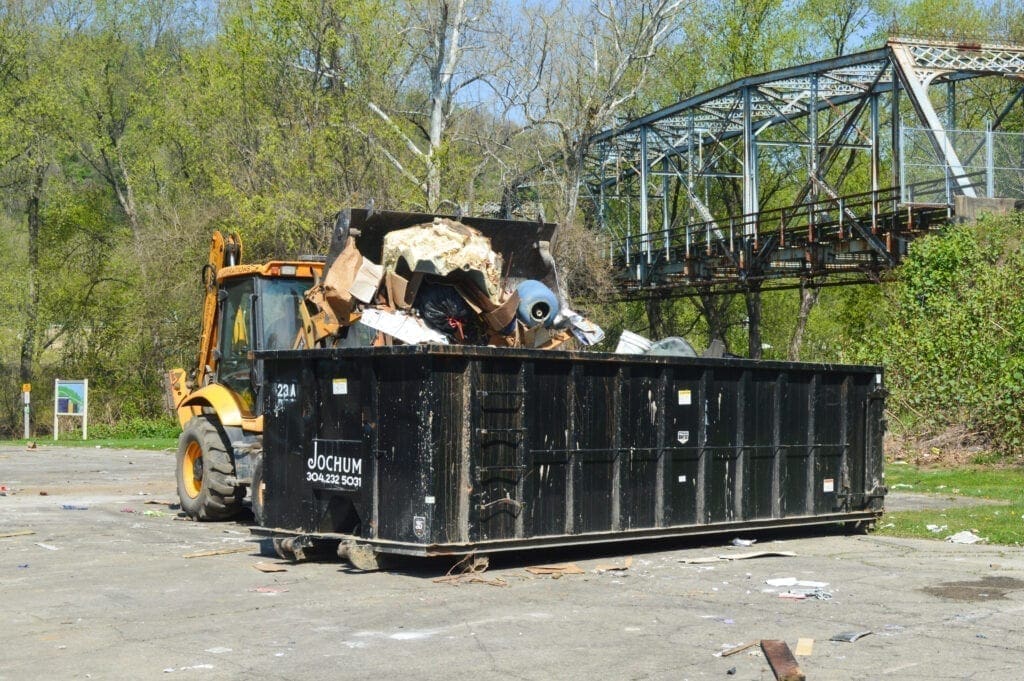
(445,311)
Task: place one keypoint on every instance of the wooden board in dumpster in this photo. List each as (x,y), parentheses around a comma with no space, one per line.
(435,449)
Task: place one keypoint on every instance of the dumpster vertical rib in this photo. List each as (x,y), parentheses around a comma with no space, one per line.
(743,396)
(616,445)
(777,451)
(845,486)
(812,450)
(522,449)
(571,445)
(371,372)
(465,452)
(659,480)
(702,455)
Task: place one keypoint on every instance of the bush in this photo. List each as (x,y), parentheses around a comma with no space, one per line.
(953,344)
(135,428)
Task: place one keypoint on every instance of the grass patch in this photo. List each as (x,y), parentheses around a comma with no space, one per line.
(154,443)
(1000,524)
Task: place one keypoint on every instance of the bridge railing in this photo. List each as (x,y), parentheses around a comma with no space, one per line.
(830,219)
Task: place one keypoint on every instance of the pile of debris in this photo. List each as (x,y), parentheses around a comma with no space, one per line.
(439,282)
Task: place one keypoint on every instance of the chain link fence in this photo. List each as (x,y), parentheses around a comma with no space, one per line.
(934,168)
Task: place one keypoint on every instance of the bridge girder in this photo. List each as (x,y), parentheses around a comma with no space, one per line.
(795,123)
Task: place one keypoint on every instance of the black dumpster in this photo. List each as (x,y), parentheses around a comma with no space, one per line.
(445,450)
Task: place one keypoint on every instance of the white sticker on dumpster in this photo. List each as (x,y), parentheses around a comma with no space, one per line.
(829,485)
(683,436)
(340,386)
(685,397)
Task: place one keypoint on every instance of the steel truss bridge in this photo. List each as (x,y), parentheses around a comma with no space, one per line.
(813,175)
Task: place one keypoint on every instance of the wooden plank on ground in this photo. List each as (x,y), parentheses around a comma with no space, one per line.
(782,662)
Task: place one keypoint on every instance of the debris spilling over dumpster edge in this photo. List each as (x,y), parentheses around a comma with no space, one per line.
(439,282)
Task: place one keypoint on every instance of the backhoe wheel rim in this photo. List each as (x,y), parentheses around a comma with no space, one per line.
(192,470)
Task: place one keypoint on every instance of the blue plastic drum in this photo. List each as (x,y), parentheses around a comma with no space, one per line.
(537,303)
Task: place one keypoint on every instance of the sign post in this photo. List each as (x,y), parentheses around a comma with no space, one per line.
(71,398)
(26,391)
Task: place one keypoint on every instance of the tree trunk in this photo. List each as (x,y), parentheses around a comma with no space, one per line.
(28,337)
(713,308)
(655,318)
(808,297)
(753,298)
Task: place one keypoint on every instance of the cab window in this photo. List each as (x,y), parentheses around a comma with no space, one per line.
(234,367)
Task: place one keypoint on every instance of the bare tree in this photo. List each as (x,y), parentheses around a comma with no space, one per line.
(440,34)
(570,69)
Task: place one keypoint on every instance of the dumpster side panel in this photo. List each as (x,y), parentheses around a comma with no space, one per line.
(286,442)
(549,409)
(643,419)
(724,402)
(683,400)
(498,452)
(794,457)
(759,449)
(340,474)
(406,398)
(451,438)
(595,445)
(831,430)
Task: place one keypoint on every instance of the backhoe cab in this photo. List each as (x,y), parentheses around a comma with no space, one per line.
(246,308)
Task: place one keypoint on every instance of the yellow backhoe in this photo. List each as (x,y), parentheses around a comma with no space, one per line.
(247,308)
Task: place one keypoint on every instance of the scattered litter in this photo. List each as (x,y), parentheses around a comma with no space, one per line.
(936,528)
(269,567)
(218,552)
(626,564)
(3,490)
(154,514)
(801,594)
(269,590)
(965,537)
(219,650)
(44,494)
(556,570)
(731,671)
(902,485)
(759,554)
(980,636)
(737,556)
(804,647)
(468,571)
(743,542)
(23,565)
(849,636)
(16,533)
(793,581)
(782,662)
(157,502)
(74,507)
(737,649)
(128,509)
(31,445)
(48,547)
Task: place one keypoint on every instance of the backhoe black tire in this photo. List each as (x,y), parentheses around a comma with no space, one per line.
(204,468)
